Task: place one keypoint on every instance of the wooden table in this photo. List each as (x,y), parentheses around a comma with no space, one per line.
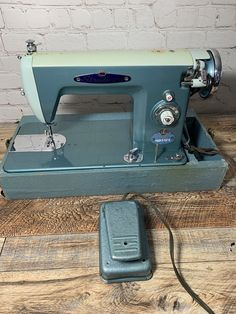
(49,249)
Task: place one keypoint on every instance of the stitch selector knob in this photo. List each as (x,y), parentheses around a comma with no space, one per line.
(167,115)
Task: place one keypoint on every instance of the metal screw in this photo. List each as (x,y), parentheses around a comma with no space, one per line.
(177,157)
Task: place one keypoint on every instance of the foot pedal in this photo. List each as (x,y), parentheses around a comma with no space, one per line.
(124,251)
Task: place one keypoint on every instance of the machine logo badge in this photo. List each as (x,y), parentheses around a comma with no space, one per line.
(163,138)
(102,78)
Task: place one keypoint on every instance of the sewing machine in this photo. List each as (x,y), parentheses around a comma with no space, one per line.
(145,150)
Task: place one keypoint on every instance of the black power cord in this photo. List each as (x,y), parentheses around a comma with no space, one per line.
(179,276)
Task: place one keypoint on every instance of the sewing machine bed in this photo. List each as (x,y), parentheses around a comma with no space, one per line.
(92,141)
(91,162)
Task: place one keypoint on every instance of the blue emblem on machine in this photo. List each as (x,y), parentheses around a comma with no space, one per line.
(102,78)
(163,138)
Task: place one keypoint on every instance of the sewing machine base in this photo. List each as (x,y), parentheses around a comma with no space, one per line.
(21,179)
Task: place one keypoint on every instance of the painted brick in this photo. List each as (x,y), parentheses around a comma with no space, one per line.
(123,18)
(3,98)
(102,18)
(230,61)
(9,80)
(144,17)
(192,2)
(26,18)
(228,57)
(15,18)
(192,17)
(107,40)
(74,25)
(38,18)
(81,18)
(65,42)
(15,42)
(165,16)
(187,17)
(1,20)
(15,97)
(185,39)
(105,2)
(51,2)
(206,17)
(13,113)
(9,113)
(221,39)
(59,18)
(233,2)
(1,45)
(226,17)
(141,1)
(9,64)
(145,40)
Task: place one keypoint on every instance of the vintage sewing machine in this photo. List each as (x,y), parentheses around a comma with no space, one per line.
(145,150)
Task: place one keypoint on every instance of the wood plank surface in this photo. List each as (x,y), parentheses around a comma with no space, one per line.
(80,214)
(80,290)
(6,132)
(2,241)
(224,130)
(81,250)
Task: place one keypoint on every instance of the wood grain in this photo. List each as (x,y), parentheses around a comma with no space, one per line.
(80,290)
(81,250)
(80,214)
(2,241)
(224,130)
(6,132)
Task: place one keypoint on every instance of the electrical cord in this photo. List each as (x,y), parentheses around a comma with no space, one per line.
(179,276)
(201,150)
(198,151)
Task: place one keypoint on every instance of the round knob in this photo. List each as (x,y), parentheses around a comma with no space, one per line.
(168,96)
(165,113)
(167,117)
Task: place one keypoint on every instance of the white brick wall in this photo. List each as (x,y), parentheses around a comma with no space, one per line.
(72,25)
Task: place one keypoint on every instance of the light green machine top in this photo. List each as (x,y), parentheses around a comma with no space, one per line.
(114,58)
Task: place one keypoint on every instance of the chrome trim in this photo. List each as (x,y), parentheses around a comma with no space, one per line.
(216,70)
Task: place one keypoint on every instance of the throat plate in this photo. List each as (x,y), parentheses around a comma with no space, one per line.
(38,143)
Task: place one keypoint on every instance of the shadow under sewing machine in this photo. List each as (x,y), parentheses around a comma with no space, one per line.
(113,153)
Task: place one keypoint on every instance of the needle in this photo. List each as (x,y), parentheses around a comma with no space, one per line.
(50,135)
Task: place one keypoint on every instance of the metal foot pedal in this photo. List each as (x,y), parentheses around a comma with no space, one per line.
(124,251)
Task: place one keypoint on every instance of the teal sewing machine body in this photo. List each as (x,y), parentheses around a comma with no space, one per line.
(111,153)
